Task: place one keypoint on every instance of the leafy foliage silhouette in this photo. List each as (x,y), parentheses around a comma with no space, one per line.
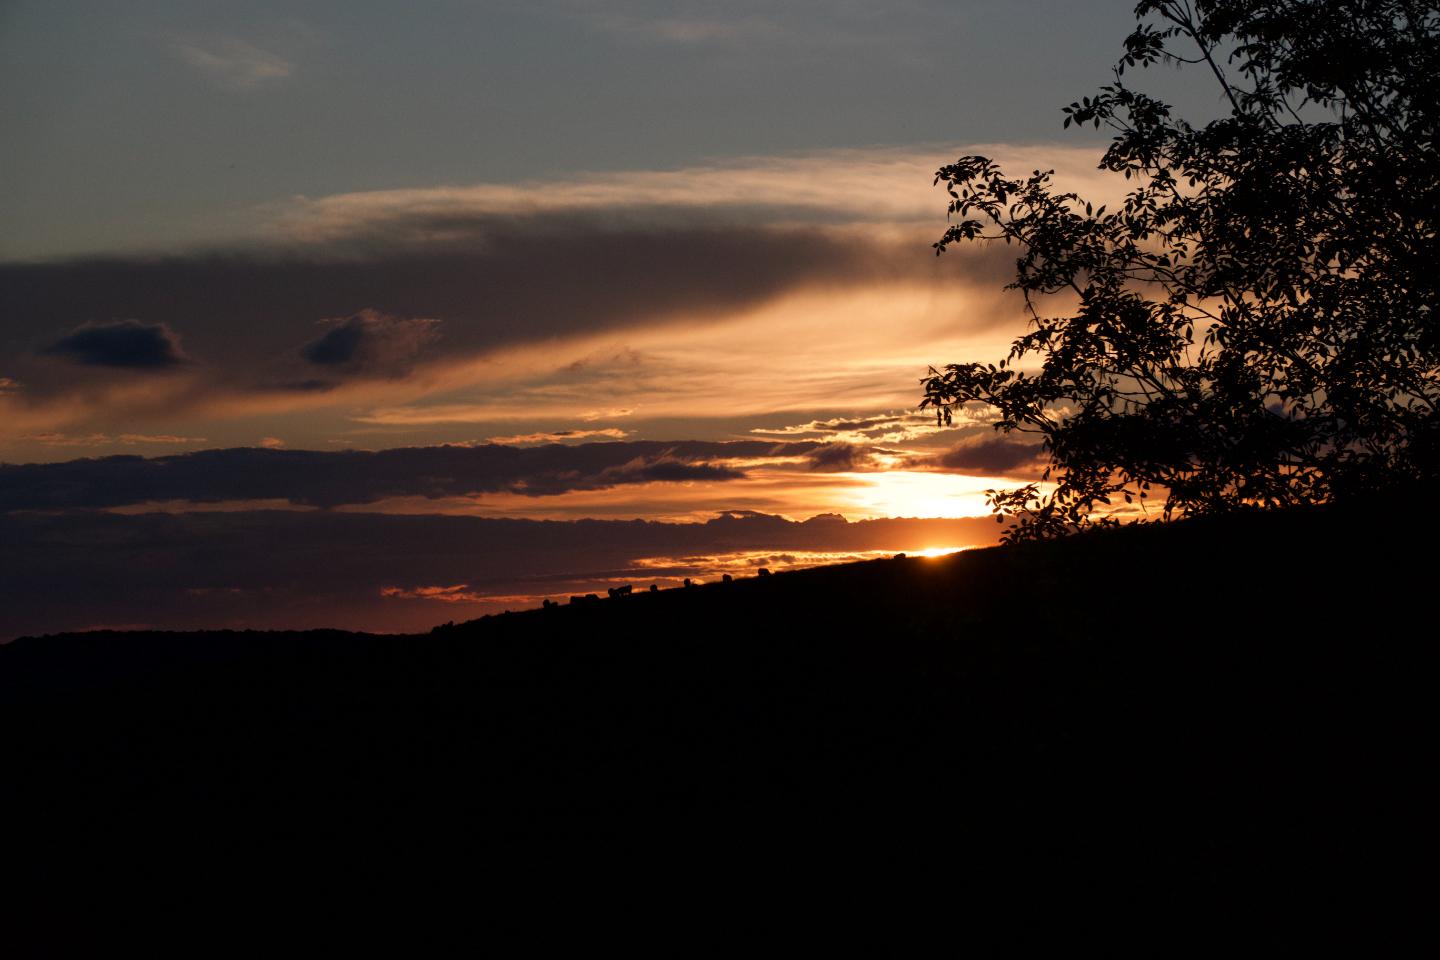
(1254,326)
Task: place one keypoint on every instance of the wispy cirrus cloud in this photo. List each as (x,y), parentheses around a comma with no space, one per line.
(890,427)
(233,63)
(692,30)
(875,185)
(106,439)
(797,24)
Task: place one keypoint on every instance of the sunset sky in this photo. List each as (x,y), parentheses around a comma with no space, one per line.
(366,293)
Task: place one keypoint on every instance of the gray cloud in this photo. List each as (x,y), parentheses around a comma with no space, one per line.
(989,455)
(667,469)
(840,457)
(233,63)
(794,26)
(371,342)
(123,343)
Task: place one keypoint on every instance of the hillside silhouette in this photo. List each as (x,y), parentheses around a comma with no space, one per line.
(1221,699)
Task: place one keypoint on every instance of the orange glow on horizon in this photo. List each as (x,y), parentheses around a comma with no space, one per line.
(914,493)
(930,553)
(666,572)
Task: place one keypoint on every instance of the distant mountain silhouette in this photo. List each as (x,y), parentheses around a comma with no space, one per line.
(1222,700)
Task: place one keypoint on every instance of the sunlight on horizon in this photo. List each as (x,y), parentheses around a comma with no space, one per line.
(666,571)
(931,553)
(913,493)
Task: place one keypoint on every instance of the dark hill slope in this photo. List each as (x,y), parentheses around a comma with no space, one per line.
(1248,691)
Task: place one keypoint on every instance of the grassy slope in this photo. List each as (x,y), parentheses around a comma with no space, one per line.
(1213,697)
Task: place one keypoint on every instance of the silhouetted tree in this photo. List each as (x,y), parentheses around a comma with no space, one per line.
(1255,323)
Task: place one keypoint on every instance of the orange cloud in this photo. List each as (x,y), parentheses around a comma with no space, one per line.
(561,436)
(103,439)
(850,348)
(453,594)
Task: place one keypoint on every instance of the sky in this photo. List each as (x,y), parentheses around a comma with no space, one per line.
(454,298)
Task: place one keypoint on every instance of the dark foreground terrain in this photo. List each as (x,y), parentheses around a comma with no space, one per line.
(1232,702)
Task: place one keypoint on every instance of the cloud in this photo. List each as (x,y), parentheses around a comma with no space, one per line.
(370,343)
(873,186)
(690,30)
(456,593)
(335,478)
(886,428)
(590,416)
(667,469)
(841,458)
(233,63)
(797,26)
(991,455)
(559,436)
(123,343)
(105,439)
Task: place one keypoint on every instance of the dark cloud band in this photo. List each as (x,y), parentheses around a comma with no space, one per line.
(331,479)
